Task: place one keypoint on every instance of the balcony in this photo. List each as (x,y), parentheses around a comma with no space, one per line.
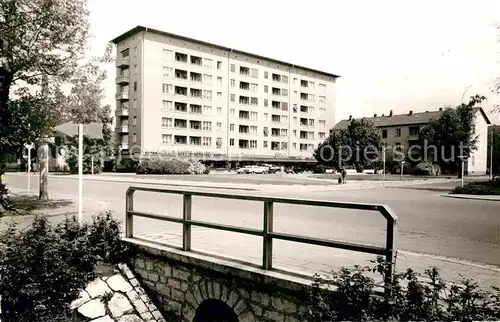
(123,146)
(122,79)
(123,96)
(122,129)
(122,112)
(122,62)
(181,58)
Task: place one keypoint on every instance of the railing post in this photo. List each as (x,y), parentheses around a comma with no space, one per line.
(186,228)
(267,253)
(391,254)
(129,218)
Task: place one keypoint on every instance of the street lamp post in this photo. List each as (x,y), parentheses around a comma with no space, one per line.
(383,161)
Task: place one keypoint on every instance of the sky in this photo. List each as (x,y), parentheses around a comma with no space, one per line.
(391,55)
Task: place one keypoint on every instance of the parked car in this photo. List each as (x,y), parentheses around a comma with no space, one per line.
(252,169)
(272,168)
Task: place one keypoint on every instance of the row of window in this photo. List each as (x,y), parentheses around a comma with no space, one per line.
(242,143)
(414,131)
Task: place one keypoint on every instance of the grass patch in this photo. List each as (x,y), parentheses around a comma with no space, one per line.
(479,188)
(25,205)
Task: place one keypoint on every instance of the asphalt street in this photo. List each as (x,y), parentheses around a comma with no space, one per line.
(428,223)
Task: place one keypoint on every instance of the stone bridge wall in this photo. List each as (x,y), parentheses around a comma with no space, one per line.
(181,281)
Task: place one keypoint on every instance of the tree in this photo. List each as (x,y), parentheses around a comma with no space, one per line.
(356,145)
(453,135)
(495,132)
(40,41)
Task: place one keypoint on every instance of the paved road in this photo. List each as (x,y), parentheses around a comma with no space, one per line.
(465,229)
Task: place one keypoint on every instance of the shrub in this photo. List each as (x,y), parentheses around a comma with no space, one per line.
(127,165)
(426,168)
(359,168)
(45,267)
(72,163)
(319,169)
(349,295)
(479,188)
(173,166)
(5,201)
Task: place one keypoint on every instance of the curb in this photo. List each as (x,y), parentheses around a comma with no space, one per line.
(472,197)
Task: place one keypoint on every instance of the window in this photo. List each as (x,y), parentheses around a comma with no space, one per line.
(253,144)
(195,140)
(180,139)
(254,73)
(254,88)
(384,134)
(284,92)
(265,144)
(322,99)
(233,82)
(295,109)
(322,88)
(414,130)
(311,122)
(219,65)
(168,54)
(231,142)
(311,85)
(167,71)
(295,119)
(398,133)
(266,116)
(219,110)
(266,74)
(207,126)
(253,116)
(135,69)
(135,86)
(398,146)
(219,96)
(233,97)
(166,138)
(253,129)
(266,102)
(166,106)
(284,132)
(166,122)
(311,97)
(125,53)
(254,101)
(310,135)
(276,77)
(295,146)
(207,79)
(207,63)
(284,119)
(266,89)
(134,138)
(134,121)
(233,68)
(295,80)
(231,127)
(294,132)
(265,131)
(284,106)
(284,79)
(322,110)
(219,81)
(219,126)
(207,95)
(134,103)
(181,107)
(322,135)
(311,109)
(207,109)
(207,141)
(195,109)
(167,89)
(219,143)
(232,112)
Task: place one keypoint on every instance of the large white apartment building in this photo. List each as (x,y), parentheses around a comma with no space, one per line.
(183,97)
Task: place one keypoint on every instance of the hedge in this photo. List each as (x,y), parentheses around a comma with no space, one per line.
(479,188)
(173,166)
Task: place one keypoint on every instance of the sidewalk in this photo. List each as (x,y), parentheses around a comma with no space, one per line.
(308,259)
(473,197)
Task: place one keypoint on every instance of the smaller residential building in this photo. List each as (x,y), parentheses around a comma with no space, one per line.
(401,131)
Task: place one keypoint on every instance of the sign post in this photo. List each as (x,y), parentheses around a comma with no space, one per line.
(93,130)
(383,161)
(29,146)
(463,158)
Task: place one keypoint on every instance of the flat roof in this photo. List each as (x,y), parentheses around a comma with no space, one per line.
(138,29)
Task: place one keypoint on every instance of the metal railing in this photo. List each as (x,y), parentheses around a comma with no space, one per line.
(267,233)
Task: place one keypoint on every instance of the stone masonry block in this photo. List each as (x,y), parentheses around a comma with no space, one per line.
(133,295)
(233,298)
(177,295)
(291,318)
(223,292)
(217,289)
(274,316)
(150,265)
(139,263)
(191,299)
(197,295)
(210,289)
(188,312)
(184,286)
(157,315)
(247,316)
(203,289)
(164,290)
(146,316)
(153,277)
(240,307)
(176,284)
(284,305)
(134,282)
(159,268)
(181,275)
(261,298)
(257,309)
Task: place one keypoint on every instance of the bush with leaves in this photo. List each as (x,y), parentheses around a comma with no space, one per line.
(171,166)
(44,267)
(350,295)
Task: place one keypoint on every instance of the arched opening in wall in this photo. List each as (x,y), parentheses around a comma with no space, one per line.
(213,310)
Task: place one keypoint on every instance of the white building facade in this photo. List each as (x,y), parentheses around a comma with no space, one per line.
(178,96)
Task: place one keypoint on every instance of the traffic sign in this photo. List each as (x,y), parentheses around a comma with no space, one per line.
(92,130)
